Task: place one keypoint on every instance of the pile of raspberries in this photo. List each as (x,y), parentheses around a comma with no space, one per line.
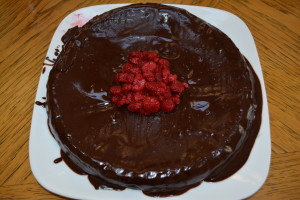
(146,84)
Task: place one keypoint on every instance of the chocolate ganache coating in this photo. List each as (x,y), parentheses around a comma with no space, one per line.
(207,138)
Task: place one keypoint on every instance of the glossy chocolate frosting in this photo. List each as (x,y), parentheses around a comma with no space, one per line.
(207,138)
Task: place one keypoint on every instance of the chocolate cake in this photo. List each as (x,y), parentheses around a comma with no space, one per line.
(209,135)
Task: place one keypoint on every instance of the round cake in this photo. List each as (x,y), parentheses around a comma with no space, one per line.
(208,136)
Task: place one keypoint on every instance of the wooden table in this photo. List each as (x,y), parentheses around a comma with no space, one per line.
(27,28)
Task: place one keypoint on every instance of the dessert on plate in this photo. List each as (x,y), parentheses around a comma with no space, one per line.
(204,133)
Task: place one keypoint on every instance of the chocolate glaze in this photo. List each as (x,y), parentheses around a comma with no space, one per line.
(207,138)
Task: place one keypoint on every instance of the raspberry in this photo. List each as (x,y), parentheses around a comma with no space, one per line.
(134,60)
(115,99)
(126,68)
(129,98)
(124,78)
(186,86)
(176,99)
(135,70)
(149,76)
(136,54)
(165,75)
(121,78)
(177,87)
(146,85)
(116,90)
(149,67)
(156,88)
(158,76)
(121,102)
(126,87)
(138,77)
(151,105)
(138,85)
(135,107)
(167,106)
(138,97)
(172,78)
(164,63)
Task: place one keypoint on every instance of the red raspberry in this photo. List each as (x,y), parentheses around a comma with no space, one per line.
(139,97)
(167,106)
(126,68)
(156,88)
(149,76)
(135,107)
(135,70)
(115,99)
(168,92)
(158,76)
(164,63)
(152,86)
(149,67)
(156,60)
(129,98)
(177,87)
(137,54)
(126,87)
(172,78)
(121,78)
(138,77)
(151,105)
(160,91)
(186,85)
(176,99)
(124,78)
(130,78)
(116,90)
(134,60)
(146,85)
(121,102)
(138,85)
(165,75)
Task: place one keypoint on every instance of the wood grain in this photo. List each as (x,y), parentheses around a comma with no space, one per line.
(27,28)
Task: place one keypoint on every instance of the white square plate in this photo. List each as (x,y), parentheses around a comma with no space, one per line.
(60,179)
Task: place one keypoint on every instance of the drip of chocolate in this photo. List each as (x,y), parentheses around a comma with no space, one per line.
(43,104)
(208,137)
(47,64)
(57,51)
(58,160)
(52,61)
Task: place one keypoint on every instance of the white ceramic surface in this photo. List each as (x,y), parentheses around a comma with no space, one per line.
(59,179)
